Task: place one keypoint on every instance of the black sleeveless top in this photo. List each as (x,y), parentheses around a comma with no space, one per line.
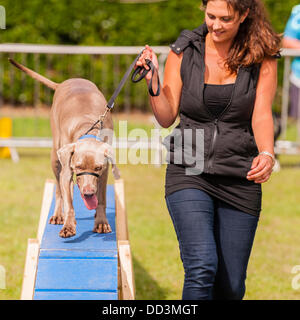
(216,97)
(224,112)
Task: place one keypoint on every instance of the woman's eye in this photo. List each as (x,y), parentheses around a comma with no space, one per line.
(227,19)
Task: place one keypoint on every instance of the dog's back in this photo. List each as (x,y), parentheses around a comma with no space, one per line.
(77,104)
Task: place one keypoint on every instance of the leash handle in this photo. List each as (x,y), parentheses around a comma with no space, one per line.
(142,71)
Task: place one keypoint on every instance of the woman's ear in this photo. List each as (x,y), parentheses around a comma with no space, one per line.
(244,16)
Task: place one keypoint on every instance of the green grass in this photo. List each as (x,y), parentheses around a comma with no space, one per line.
(276,249)
(157,266)
(291,130)
(31,127)
(40,127)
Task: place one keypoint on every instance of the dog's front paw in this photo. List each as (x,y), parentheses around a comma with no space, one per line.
(56,220)
(102,227)
(68,230)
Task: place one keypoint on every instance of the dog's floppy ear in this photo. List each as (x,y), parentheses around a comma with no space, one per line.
(109,154)
(65,153)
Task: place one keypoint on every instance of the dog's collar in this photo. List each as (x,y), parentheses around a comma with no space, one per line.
(87,173)
(86,136)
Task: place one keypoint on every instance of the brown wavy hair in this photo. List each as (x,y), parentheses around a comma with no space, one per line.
(255,39)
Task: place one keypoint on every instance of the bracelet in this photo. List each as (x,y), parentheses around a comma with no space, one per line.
(268,154)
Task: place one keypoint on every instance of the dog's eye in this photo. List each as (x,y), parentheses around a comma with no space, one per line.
(79,168)
(98,168)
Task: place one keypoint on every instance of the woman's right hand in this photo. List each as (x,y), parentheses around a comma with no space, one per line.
(149,54)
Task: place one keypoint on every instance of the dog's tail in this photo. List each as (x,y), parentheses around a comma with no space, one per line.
(34,75)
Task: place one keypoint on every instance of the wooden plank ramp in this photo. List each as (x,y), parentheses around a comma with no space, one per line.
(88,266)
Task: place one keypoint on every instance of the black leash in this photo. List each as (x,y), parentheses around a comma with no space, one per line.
(139,70)
(143,72)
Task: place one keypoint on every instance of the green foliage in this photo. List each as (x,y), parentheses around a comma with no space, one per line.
(102,22)
(279,12)
(98,22)
(111,22)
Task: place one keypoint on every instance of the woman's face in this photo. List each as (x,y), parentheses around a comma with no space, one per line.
(222,21)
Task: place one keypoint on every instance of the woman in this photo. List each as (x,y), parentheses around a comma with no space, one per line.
(221,78)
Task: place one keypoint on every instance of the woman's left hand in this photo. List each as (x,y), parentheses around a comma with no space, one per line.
(261,168)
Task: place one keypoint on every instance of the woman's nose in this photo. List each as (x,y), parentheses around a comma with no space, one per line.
(217,25)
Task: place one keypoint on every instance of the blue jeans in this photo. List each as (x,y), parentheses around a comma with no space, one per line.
(215,242)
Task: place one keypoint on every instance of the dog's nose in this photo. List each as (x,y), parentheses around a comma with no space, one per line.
(88,194)
(88,191)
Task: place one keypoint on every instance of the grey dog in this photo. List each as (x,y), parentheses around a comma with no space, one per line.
(77,104)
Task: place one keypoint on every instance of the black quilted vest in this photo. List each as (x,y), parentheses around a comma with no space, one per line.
(229,144)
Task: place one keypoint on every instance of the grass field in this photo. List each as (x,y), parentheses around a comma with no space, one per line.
(157,266)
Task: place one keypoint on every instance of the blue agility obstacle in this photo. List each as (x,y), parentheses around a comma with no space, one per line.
(83,267)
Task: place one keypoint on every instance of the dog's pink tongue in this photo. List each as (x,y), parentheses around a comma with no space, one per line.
(90,202)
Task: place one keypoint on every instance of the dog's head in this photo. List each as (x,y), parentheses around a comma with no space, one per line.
(88,160)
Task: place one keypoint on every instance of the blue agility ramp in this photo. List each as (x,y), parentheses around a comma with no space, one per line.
(82,267)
